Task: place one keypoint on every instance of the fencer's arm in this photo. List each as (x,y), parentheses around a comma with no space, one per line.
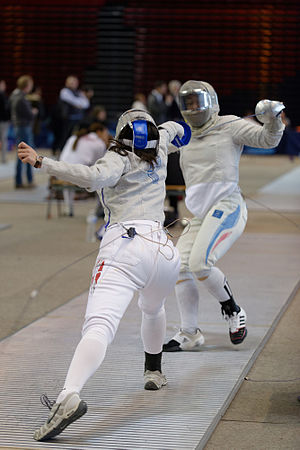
(105,172)
(168,131)
(246,132)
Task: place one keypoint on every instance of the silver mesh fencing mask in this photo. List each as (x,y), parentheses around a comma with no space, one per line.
(198,101)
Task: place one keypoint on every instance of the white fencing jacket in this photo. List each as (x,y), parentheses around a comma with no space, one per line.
(128,188)
(210,162)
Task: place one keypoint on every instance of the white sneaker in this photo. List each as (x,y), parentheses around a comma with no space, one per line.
(185,341)
(237,326)
(154,380)
(61,415)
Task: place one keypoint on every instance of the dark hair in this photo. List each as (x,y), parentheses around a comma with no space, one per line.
(148,155)
(93,128)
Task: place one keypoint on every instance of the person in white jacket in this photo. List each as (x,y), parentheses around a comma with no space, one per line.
(210,166)
(135,254)
(85,146)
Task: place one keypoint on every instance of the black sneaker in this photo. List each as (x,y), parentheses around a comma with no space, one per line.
(237,326)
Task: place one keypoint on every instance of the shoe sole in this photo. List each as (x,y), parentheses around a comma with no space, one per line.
(172,349)
(239,340)
(80,411)
(151,386)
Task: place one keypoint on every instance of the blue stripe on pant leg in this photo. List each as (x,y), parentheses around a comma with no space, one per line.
(229,222)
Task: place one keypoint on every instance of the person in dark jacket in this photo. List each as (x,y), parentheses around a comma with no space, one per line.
(22,115)
(4,120)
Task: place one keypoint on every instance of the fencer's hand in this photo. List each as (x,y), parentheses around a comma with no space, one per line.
(268,110)
(27,154)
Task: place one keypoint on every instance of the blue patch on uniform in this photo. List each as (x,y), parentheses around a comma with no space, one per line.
(229,222)
(151,172)
(218,213)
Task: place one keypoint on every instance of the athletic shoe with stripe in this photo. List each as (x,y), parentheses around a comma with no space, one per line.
(61,415)
(154,380)
(237,326)
(185,341)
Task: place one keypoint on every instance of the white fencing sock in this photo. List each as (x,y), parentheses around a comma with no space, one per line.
(188,302)
(88,356)
(216,284)
(153,331)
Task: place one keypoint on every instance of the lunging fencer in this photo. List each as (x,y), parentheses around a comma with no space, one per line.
(210,166)
(135,254)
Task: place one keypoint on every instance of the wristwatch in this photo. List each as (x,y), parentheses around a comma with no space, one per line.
(38,163)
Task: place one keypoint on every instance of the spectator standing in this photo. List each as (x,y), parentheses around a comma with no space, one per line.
(156,104)
(4,120)
(22,116)
(139,102)
(36,100)
(173,110)
(174,173)
(71,109)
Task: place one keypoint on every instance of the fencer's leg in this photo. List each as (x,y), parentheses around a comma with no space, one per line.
(187,297)
(151,302)
(189,337)
(109,297)
(221,227)
(88,356)
(217,284)
(153,331)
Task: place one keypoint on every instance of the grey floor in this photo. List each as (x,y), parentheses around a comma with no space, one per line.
(263,269)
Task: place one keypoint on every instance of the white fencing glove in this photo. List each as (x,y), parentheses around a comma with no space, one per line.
(173,128)
(268,110)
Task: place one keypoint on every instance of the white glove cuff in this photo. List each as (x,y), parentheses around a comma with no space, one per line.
(173,129)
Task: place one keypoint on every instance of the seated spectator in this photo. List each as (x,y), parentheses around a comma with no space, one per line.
(84,147)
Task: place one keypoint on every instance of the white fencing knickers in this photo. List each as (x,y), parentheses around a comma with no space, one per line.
(207,241)
(211,237)
(148,263)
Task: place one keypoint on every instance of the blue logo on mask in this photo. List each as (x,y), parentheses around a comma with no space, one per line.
(140,134)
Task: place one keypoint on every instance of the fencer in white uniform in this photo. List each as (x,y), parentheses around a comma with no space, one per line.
(135,254)
(210,166)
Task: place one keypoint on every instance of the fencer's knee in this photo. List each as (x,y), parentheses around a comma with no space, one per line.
(184,275)
(203,274)
(154,314)
(100,328)
(150,309)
